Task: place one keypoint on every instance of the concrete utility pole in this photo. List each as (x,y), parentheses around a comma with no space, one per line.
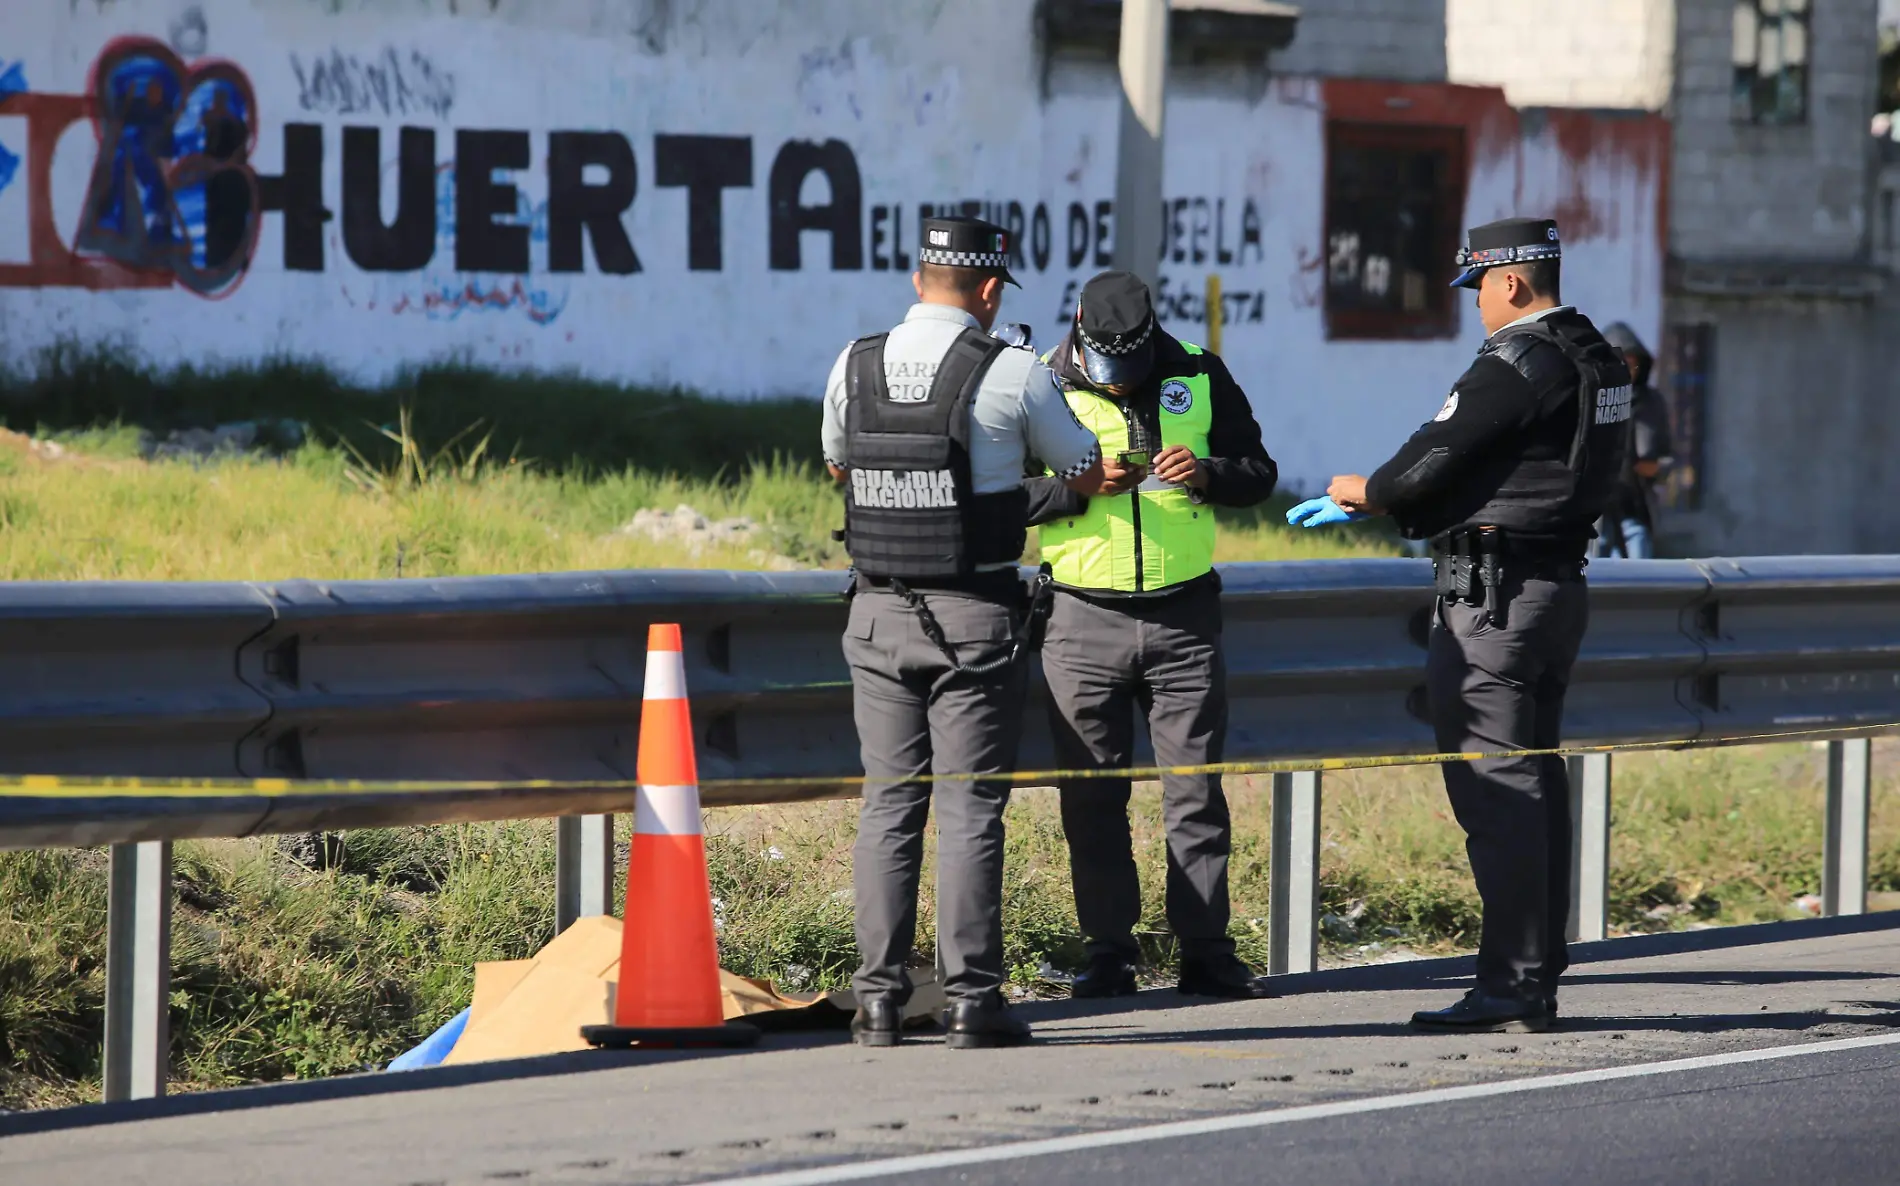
(1144,67)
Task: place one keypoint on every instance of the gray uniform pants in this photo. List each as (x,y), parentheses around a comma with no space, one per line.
(1500,686)
(917,715)
(1163,658)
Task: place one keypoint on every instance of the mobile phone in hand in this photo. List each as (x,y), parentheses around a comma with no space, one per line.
(1016,334)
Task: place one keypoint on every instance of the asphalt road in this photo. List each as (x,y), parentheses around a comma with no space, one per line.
(1248,1074)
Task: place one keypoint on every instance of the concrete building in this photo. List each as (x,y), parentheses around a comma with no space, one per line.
(638,174)
(1781,352)
(1399,40)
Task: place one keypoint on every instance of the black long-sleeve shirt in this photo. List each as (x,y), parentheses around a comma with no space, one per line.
(1239,471)
(1493,418)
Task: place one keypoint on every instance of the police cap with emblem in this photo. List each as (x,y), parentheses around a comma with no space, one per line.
(1507,241)
(1115,330)
(966,243)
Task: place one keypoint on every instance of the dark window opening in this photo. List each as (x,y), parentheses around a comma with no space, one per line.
(1771,61)
(1394,197)
(1688,364)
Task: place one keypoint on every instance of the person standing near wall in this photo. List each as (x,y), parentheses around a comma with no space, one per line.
(929,427)
(1628,528)
(1136,625)
(1506,481)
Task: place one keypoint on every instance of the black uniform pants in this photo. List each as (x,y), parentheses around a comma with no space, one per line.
(1104,662)
(1500,686)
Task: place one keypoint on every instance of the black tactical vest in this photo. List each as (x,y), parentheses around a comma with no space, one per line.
(1553,492)
(909,510)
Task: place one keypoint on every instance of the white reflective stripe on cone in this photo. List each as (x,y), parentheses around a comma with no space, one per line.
(667,811)
(666,676)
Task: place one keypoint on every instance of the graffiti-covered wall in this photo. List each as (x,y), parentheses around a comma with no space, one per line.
(720,207)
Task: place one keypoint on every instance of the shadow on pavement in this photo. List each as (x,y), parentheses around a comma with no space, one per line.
(270,1095)
(1428,973)
(1452,972)
(1712,1023)
(1750,976)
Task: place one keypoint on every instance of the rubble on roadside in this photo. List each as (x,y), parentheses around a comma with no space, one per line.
(48,452)
(685,526)
(226,440)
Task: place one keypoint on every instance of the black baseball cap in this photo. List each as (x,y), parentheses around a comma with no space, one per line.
(1507,241)
(966,243)
(1115,330)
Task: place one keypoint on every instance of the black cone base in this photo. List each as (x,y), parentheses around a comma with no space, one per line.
(733,1034)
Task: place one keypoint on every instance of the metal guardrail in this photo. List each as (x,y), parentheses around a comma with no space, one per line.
(539,677)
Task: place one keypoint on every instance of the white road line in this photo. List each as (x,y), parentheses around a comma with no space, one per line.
(951,1159)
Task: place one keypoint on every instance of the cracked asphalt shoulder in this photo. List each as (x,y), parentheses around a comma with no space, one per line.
(813,1099)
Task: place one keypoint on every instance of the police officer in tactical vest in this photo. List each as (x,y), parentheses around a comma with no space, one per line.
(1506,481)
(928,427)
(1136,625)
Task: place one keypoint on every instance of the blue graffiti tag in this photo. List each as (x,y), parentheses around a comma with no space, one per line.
(533,215)
(12,82)
(214,125)
(446,297)
(136,207)
(172,187)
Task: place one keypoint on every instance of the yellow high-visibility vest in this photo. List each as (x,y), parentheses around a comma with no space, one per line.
(1153,536)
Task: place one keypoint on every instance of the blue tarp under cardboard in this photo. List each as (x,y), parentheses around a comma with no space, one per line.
(434,1048)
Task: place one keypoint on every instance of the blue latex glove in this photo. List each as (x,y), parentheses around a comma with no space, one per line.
(1319,512)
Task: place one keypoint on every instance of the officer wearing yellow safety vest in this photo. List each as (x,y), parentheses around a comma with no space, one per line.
(1137,625)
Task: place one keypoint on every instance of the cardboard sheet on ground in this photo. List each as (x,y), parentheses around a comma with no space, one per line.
(537,1006)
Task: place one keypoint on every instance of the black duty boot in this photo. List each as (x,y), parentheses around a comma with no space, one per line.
(1109,974)
(1545,991)
(879,1022)
(1480,1013)
(979,1025)
(1228,978)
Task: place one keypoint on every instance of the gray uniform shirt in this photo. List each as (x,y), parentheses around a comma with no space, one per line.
(1018,412)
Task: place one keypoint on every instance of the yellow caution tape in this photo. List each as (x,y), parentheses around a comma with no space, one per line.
(60,786)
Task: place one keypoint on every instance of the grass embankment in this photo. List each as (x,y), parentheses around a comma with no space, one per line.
(502,474)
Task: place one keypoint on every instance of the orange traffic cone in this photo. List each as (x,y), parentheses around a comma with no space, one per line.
(669,962)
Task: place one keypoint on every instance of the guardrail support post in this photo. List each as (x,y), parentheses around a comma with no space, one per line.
(1844,850)
(1589,847)
(1293,901)
(138,970)
(583,868)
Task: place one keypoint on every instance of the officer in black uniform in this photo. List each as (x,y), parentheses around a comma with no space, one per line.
(1507,481)
(929,426)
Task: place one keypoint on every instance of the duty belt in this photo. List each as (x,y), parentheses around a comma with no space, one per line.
(1470,564)
(1026,634)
